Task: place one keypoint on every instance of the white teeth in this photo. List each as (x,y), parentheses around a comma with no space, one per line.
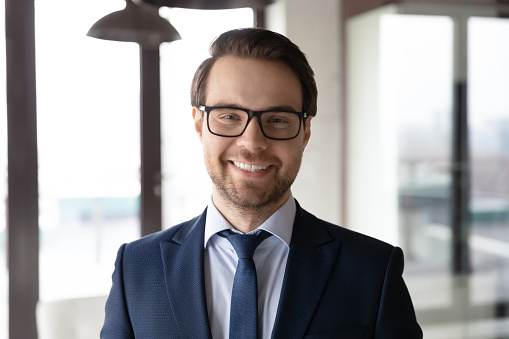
(250,168)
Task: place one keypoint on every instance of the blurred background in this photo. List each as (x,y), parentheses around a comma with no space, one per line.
(410,145)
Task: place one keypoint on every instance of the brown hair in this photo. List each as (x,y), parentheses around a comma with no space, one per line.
(260,44)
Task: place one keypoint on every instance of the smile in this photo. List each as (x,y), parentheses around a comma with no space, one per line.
(249,168)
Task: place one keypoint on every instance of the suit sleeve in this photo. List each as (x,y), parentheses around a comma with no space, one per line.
(117,324)
(396,315)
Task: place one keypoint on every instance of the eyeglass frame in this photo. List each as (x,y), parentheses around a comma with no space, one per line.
(250,114)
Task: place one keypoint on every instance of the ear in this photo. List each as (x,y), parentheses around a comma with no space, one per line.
(307,130)
(198,121)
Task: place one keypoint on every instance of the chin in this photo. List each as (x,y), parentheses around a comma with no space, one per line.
(249,199)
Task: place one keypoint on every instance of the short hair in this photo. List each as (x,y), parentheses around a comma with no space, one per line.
(258,44)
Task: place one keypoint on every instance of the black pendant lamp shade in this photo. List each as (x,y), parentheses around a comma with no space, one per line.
(134,24)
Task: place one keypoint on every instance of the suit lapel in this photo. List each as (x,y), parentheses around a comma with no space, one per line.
(312,255)
(185,283)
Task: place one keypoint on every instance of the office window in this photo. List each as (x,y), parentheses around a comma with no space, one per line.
(488,43)
(416,91)
(185,183)
(88,139)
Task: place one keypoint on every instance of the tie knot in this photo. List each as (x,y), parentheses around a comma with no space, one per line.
(245,244)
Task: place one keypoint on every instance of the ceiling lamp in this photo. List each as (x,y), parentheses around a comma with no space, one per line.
(135,24)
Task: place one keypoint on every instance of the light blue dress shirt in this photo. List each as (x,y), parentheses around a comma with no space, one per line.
(270,260)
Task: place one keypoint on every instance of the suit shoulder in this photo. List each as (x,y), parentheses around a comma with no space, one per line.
(153,240)
(350,238)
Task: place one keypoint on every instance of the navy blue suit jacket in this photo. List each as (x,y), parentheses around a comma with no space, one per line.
(337,284)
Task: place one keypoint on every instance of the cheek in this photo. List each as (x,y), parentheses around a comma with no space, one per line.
(214,146)
(291,155)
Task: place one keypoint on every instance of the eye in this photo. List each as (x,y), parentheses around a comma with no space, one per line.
(230,117)
(277,120)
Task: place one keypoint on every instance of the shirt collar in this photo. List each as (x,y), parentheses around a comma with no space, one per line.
(279,224)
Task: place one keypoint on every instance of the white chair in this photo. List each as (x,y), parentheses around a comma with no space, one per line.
(71,319)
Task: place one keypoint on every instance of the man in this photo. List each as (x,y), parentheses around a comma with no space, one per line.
(253,102)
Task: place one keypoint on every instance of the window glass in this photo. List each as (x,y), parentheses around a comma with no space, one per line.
(186,186)
(488,52)
(416,90)
(88,138)
(416,98)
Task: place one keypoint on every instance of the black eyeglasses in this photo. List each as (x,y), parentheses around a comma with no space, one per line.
(232,122)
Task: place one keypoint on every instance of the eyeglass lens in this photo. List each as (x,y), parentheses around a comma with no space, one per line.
(232,122)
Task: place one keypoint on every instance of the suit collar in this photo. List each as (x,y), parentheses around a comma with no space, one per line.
(313,252)
(279,224)
(182,258)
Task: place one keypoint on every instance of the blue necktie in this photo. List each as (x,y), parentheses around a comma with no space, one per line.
(244,303)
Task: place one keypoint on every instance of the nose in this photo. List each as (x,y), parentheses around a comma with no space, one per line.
(253,138)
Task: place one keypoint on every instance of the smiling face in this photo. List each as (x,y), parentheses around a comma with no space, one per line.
(251,172)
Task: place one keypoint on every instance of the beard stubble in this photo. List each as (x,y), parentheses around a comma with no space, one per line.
(248,195)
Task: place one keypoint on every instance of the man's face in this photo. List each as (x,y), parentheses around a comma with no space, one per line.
(251,171)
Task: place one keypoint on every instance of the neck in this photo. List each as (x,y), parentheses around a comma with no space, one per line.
(244,219)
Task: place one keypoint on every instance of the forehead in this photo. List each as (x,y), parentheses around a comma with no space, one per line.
(253,84)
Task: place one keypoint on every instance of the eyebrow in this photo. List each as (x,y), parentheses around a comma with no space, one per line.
(275,108)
